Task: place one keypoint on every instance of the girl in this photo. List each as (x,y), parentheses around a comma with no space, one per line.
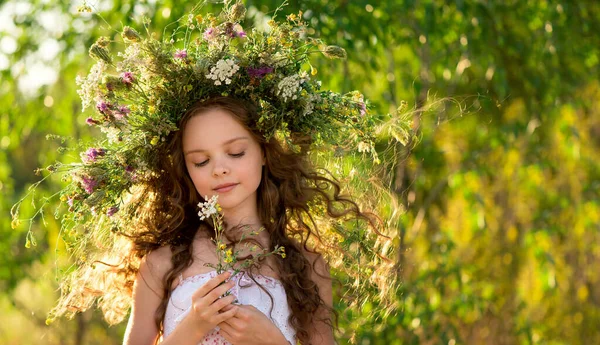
(216,152)
(235,115)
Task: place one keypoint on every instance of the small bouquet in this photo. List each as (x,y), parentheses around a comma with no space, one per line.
(227,257)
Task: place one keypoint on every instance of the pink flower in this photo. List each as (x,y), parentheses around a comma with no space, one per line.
(103,107)
(241,34)
(88,184)
(259,72)
(111,211)
(181,54)
(122,112)
(91,121)
(127,77)
(210,34)
(92,154)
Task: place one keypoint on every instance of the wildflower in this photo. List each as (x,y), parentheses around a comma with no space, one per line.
(241,34)
(92,154)
(122,112)
(228,256)
(103,107)
(154,140)
(223,71)
(181,54)
(289,87)
(210,34)
(259,72)
(208,208)
(222,246)
(238,11)
(88,184)
(90,121)
(127,77)
(99,51)
(334,52)
(111,211)
(130,34)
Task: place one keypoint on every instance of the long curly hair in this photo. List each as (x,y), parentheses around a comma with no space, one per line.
(165,209)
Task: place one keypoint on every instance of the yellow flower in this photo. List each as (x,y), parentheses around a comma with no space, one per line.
(154,140)
(199,19)
(283,255)
(15,223)
(151,109)
(222,246)
(313,71)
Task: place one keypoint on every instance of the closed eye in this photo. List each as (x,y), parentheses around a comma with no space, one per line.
(201,164)
(238,155)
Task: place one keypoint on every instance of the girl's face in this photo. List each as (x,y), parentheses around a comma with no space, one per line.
(223,159)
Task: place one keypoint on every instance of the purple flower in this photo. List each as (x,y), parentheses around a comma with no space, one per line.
(103,107)
(122,112)
(88,184)
(363,108)
(92,154)
(259,72)
(210,34)
(127,77)
(181,54)
(111,211)
(129,169)
(70,201)
(91,121)
(241,34)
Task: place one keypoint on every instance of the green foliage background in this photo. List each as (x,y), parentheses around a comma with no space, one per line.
(499,240)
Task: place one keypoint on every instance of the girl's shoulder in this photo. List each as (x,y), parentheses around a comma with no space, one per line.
(154,266)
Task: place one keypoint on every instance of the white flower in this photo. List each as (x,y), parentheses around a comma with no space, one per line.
(208,208)
(289,87)
(131,58)
(89,90)
(223,71)
(310,103)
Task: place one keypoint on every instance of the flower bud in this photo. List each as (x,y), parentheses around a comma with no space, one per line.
(334,52)
(130,34)
(99,52)
(238,11)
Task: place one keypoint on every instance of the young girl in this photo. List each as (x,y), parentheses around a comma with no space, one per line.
(213,110)
(258,185)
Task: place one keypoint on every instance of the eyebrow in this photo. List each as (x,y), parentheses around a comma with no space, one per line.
(225,143)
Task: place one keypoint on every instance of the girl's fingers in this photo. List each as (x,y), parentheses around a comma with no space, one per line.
(210,285)
(226,315)
(221,303)
(227,307)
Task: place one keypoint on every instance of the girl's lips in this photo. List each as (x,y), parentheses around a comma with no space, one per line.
(226,188)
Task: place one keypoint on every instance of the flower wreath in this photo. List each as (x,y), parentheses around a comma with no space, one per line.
(141,93)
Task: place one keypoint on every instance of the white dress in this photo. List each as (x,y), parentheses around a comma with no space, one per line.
(246,291)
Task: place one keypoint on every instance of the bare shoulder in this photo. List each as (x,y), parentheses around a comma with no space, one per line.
(154,266)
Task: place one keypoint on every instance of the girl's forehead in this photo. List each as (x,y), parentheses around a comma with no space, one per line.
(213,128)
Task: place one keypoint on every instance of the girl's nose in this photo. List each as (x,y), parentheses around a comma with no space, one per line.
(220,170)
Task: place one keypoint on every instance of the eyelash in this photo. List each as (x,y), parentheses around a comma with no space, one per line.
(234,155)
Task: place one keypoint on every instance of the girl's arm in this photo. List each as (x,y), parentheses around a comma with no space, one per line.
(321,333)
(147,296)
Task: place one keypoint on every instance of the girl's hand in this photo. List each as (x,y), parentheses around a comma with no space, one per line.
(207,306)
(249,326)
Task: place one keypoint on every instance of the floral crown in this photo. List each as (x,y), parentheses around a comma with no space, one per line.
(141,93)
